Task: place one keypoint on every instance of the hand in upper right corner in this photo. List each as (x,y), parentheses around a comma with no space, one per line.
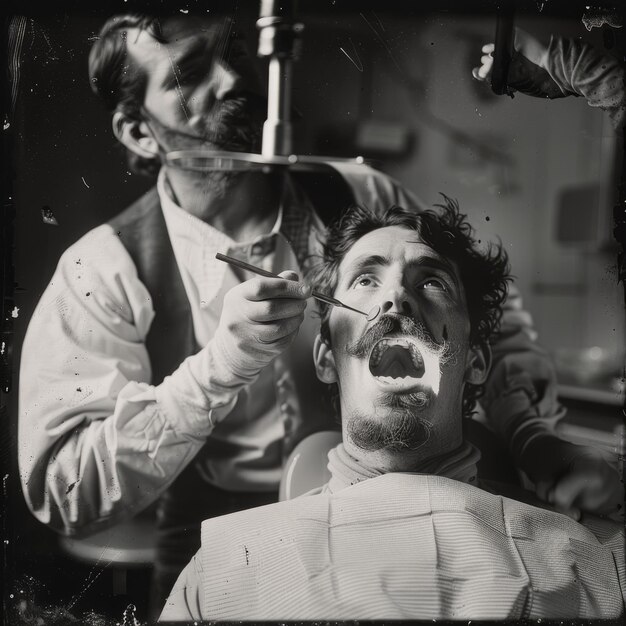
(563,67)
(528,71)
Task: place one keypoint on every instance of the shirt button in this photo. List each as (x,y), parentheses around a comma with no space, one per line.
(285,407)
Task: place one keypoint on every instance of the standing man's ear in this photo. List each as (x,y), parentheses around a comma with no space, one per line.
(324,361)
(478,364)
(135,135)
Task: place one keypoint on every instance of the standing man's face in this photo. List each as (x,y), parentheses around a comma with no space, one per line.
(202,89)
(400,377)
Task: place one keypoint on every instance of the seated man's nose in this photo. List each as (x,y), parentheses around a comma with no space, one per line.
(399,305)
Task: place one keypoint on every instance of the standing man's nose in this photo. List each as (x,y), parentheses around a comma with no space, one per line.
(225,81)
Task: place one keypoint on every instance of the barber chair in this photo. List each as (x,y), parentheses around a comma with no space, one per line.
(305,468)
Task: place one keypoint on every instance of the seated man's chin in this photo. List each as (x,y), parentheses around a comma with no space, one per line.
(398,431)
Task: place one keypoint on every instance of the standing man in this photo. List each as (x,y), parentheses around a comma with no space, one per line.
(143,374)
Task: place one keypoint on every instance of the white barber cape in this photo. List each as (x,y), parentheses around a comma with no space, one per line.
(402,546)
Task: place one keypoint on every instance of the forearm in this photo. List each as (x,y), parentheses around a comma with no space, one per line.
(104,469)
(84,470)
(102,450)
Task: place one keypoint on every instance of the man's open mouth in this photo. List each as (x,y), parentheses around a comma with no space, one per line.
(396,358)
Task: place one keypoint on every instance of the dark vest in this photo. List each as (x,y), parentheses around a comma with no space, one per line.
(143,232)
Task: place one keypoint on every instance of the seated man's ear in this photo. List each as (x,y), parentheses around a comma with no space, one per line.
(478,364)
(135,135)
(324,361)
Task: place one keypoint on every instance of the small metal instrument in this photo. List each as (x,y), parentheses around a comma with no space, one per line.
(314,294)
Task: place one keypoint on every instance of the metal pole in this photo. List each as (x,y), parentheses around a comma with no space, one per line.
(278,40)
(277,137)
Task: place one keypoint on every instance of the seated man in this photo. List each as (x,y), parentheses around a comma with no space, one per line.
(402,530)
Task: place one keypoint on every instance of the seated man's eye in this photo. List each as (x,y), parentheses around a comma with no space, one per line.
(434,283)
(363,281)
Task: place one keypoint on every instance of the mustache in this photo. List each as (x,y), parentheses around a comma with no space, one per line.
(395,323)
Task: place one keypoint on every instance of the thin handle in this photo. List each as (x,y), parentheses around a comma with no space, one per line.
(245,266)
(257,270)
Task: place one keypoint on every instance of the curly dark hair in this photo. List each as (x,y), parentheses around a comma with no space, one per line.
(484,274)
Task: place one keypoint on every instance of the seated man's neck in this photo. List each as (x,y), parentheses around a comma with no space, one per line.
(242,207)
(422,459)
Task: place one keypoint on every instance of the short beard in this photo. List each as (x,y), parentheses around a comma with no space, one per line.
(213,184)
(236,126)
(401,431)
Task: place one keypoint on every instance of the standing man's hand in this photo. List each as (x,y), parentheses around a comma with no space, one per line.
(259,319)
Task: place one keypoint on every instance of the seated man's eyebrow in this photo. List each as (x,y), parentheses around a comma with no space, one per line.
(436,263)
(365,261)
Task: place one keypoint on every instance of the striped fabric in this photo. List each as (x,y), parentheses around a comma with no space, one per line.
(408,546)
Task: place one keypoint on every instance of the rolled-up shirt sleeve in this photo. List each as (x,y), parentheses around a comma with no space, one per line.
(97,442)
